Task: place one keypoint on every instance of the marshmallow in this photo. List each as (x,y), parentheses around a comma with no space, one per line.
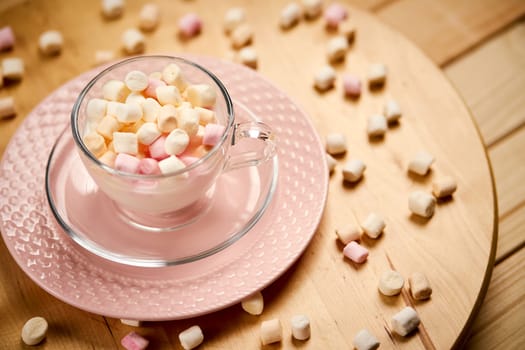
(188,120)
(125,113)
(133,41)
(419,286)
(351,85)
(107,126)
(50,42)
(201,95)
(95,143)
(196,140)
(167,118)
(312,8)
(133,323)
(390,283)
(168,94)
(149,166)
(324,79)
(373,225)
(347,30)
(127,163)
(170,165)
(7,107)
(115,90)
(233,18)
(334,15)
(172,75)
(176,142)
(421,163)
(376,125)
(300,327)
(335,143)
(376,74)
(150,110)
(156,149)
(34,330)
(7,38)
(108,158)
(213,134)
(153,84)
(104,56)
(206,116)
(353,170)
(392,111)
(421,203)
(331,162)
(13,68)
(336,49)
(136,80)
(405,321)
(242,35)
(96,110)
(271,331)
(348,233)
(248,57)
(136,97)
(444,187)
(112,9)
(355,252)
(364,340)
(290,15)
(133,341)
(149,17)
(148,133)
(131,127)
(191,337)
(126,142)
(190,25)
(253,304)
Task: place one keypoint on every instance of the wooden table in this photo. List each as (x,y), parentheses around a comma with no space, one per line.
(318,284)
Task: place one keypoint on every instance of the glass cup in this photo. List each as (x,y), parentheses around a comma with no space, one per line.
(166,202)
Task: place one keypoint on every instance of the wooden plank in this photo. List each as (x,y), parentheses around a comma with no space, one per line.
(499,324)
(446,28)
(508,164)
(511,235)
(491,79)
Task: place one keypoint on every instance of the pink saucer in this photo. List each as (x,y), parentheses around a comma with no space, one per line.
(71,273)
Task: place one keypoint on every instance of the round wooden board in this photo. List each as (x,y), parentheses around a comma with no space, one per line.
(455,248)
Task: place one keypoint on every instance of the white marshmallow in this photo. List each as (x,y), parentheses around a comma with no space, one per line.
(167,118)
(335,143)
(290,15)
(136,80)
(133,41)
(34,330)
(377,74)
(13,68)
(392,111)
(206,116)
(176,142)
(444,187)
(149,17)
(300,327)
(347,30)
(390,283)
(96,110)
(171,164)
(125,113)
(253,304)
(336,48)
(125,142)
(233,18)
(191,337)
(421,203)
(188,120)
(248,57)
(104,56)
(172,75)
(405,321)
(112,9)
(331,162)
(95,143)
(373,225)
(364,340)
(148,133)
(312,8)
(107,126)
(133,323)
(150,109)
(108,158)
(353,170)
(419,286)
(50,42)
(242,35)
(421,163)
(115,90)
(136,97)
(201,95)
(7,107)
(324,79)
(376,125)
(271,331)
(348,234)
(168,94)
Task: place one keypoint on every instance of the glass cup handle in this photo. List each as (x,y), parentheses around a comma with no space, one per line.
(257,131)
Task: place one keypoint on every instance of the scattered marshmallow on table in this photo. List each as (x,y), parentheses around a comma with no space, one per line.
(351,85)
(336,49)
(334,14)
(355,252)
(353,170)
(112,9)
(290,15)
(373,225)
(149,17)
(348,233)
(405,321)
(419,286)
(7,107)
(248,57)
(133,41)
(34,330)
(13,68)
(133,323)
(7,38)
(104,56)
(136,80)
(392,111)
(242,35)
(271,331)
(133,341)
(190,25)
(312,8)
(191,337)
(420,163)
(300,327)
(364,340)
(376,125)
(324,79)
(335,143)
(444,187)
(347,30)
(377,74)
(390,283)
(51,42)
(233,18)
(331,163)
(253,304)
(422,203)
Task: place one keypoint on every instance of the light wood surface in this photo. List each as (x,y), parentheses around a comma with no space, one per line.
(313,277)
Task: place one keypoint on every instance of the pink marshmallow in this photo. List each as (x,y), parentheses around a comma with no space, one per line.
(133,341)
(127,163)
(335,14)
(355,252)
(157,150)
(351,85)
(7,38)
(149,166)
(188,159)
(190,25)
(153,84)
(212,134)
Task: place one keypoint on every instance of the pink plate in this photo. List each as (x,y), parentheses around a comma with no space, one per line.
(71,273)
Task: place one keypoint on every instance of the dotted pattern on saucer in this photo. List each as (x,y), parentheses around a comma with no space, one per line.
(59,266)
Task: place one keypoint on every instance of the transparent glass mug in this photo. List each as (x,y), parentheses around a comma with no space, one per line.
(165,202)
